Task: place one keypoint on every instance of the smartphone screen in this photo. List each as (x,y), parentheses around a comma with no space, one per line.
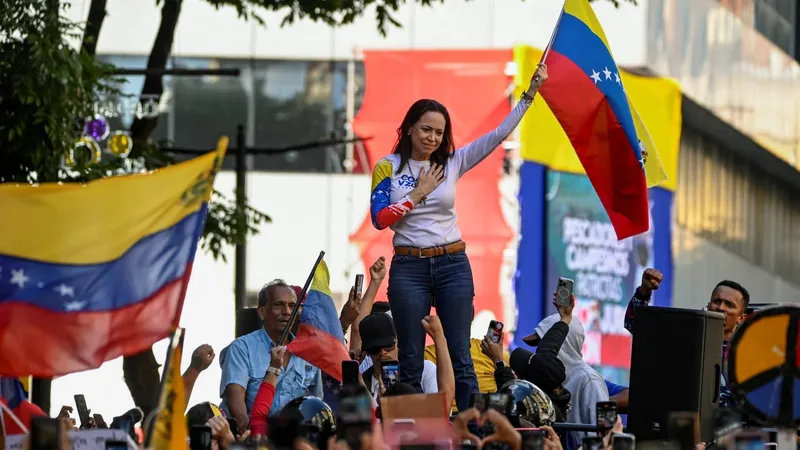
(622,441)
(44,433)
(116,445)
(495,331)
(606,415)
(350,372)
(593,443)
(353,419)
(99,421)
(389,372)
(500,402)
(200,438)
(532,438)
(359,284)
(480,401)
(83,410)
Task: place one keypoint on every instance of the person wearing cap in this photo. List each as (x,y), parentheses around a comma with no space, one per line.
(247,360)
(379,342)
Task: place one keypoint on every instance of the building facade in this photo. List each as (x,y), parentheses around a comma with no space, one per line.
(735,214)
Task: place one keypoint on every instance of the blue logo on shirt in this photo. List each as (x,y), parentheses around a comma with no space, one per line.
(407,181)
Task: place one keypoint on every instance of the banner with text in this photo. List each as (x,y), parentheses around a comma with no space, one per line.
(581,245)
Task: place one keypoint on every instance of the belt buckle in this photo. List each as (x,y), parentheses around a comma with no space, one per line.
(421,256)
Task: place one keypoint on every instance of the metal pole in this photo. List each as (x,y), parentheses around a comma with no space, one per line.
(240,285)
(179,72)
(350,112)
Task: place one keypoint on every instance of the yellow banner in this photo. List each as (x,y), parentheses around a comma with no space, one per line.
(656,107)
(169,431)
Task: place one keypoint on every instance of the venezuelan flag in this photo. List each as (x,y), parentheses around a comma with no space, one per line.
(320,339)
(92,272)
(169,430)
(586,95)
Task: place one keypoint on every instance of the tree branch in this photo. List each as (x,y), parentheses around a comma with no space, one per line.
(153,87)
(94,23)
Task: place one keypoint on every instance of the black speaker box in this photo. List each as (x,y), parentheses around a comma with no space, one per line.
(676,363)
(247,321)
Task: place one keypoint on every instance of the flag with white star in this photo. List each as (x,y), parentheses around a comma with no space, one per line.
(92,272)
(586,94)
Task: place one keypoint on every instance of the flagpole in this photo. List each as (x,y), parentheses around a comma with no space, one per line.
(174,341)
(297,305)
(553,36)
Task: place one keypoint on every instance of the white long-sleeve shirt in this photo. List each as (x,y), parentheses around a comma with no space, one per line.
(432,222)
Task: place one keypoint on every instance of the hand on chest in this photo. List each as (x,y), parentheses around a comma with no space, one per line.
(444,194)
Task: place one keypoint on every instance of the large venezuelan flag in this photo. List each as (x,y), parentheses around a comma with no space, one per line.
(586,95)
(320,339)
(92,272)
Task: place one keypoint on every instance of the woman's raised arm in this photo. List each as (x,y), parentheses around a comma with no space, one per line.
(469,156)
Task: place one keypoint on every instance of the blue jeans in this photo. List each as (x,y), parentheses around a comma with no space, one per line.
(415,284)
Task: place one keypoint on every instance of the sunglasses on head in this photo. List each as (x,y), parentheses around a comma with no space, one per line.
(376,350)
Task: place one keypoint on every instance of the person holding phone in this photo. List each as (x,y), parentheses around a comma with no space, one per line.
(413,193)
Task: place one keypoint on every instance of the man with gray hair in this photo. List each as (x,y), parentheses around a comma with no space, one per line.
(245,362)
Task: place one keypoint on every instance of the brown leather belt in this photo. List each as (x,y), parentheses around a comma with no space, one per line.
(430,252)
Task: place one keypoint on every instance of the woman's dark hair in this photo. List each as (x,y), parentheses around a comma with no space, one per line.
(403,145)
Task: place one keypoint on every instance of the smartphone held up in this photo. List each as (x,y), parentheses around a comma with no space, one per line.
(564,291)
(495,332)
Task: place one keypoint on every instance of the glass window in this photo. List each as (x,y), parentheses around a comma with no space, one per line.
(121,108)
(208,107)
(724,199)
(293,106)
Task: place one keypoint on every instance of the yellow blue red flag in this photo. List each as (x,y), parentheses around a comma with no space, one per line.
(320,339)
(96,271)
(586,95)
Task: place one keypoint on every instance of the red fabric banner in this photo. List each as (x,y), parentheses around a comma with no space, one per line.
(472,85)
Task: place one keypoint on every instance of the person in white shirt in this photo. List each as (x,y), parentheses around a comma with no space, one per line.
(413,193)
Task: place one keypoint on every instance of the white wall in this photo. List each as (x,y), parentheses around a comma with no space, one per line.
(203,31)
(700,265)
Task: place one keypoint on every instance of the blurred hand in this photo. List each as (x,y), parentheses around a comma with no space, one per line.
(65,425)
(551,441)
(617,428)
(243,437)
(357,354)
(504,432)
(651,279)
(377,272)
(64,414)
(492,350)
(460,425)
(350,309)
(202,357)
(276,356)
(221,431)
(433,326)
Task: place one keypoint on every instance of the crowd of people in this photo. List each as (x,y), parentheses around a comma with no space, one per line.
(457,392)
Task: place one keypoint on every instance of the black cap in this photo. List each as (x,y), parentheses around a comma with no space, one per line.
(544,370)
(377,330)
